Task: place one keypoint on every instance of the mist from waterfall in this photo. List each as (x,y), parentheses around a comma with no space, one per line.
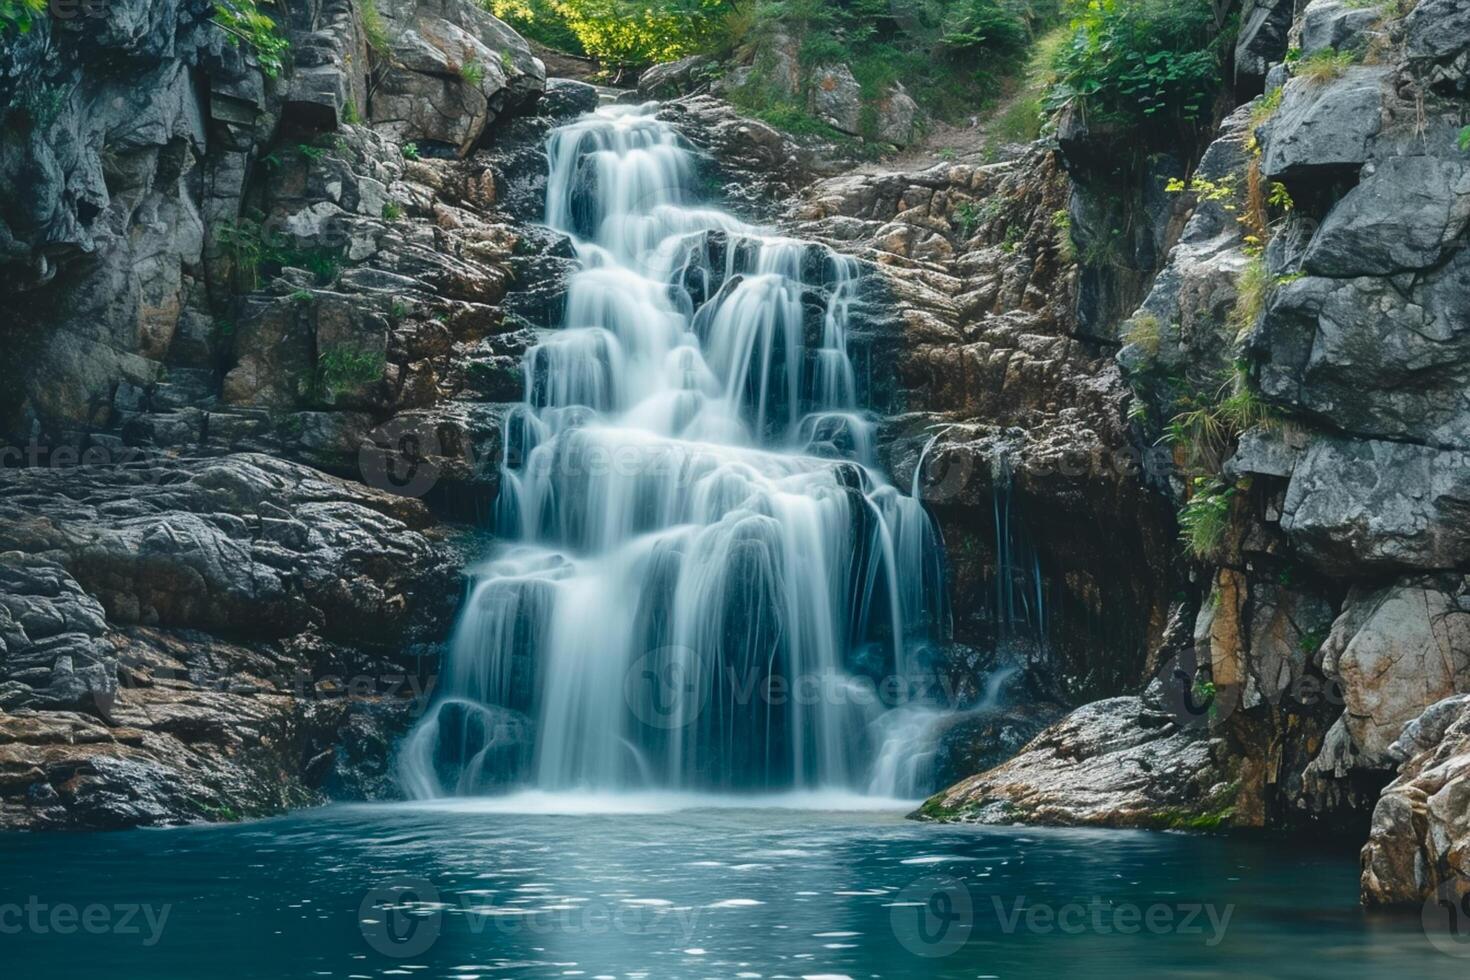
(704,579)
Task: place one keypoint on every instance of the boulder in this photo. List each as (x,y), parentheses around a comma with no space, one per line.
(1419,844)
(1405,214)
(836,98)
(1262,40)
(1355,507)
(1394,652)
(451,70)
(1323,129)
(1372,356)
(899,118)
(1338,25)
(675,78)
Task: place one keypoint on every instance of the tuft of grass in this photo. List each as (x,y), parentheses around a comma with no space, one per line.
(1326,65)
(472,72)
(373,27)
(1252,287)
(392,211)
(345,367)
(1061,220)
(1144,331)
(410,150)
(1266,107)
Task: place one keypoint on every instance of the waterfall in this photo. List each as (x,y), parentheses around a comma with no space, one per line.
(702,571)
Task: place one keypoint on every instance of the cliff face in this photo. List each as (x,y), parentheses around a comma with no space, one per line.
(224,284)
(1332,607)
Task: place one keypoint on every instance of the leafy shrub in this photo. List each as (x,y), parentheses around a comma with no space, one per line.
(409,150)
(19,15)
(244,22)
(1141,63)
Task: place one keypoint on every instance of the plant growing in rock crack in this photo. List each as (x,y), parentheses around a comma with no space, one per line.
(20,15)
(1463,140)
(1205,517)
(344,367)
(1326,65)
(243,21)
(392,211)
(968,215)
(372,26)
(1144,331)
(409,150)
(310,152)
(472,72)
(301,296)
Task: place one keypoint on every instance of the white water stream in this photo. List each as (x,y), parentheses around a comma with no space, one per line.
(703,563)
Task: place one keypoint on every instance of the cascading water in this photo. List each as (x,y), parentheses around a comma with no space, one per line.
(704,564)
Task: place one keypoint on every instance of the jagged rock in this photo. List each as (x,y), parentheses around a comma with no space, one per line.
(1344,351)
(898,117)
(1262,41)
(1437,42)
(1110,763)
(675,78)
(1395,652)
(1419,844)
(837,99)
(1337,25)
(453,69)
(1358,507)
(1405,215)
(246,544)
(325,89)
(1324,128)
(567,97)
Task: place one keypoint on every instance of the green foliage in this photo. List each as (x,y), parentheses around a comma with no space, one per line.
(310,152)
(472,72)
(253,249)
(1325,65)
(1463,140)
(1252,287)
(1061,220)
(1266,107)
(19,15)
(1144,331)
(344,367)
(409,150)
(619,32)
(968,216)
(392,211)
(301,296)
(373,26)
(1205,518)
(1141,63)
(244,22)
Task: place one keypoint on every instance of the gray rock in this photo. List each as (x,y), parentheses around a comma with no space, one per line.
(1324,128)
(1367,357)
(566,98)
(836,98)
(1337,25)
(453,70)
(1358,507)
(1420,833)
(1437,30)
(899,117)
(675,78)
(1262,41)
(1405,215)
